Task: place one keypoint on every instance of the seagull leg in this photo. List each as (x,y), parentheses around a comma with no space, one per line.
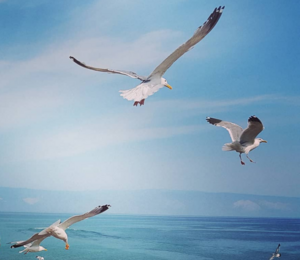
(67,246)
(241,159)
(142,102)
(249,158)
(139,102)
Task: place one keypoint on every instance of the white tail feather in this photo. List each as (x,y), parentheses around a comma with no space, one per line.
(25,251)
(227,147)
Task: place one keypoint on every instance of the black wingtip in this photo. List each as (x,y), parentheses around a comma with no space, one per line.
(71,57)
(213,121)
(253,119)
(220,9)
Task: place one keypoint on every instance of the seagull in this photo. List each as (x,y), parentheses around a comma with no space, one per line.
(243,141)
(151,84)
(276,253)
(40,257)
(31,247)
(57,230)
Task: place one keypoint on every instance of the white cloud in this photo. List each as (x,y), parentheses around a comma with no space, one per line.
(31,201)
(91,136)
(27,105)
(194,104)
(259,205)
(247,205)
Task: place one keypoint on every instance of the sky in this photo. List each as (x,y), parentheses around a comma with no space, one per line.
(66,128)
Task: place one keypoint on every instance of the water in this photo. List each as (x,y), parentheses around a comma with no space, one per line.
(153,237)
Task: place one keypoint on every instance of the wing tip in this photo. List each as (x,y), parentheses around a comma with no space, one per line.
(254,119)
(213,121)
(219,9)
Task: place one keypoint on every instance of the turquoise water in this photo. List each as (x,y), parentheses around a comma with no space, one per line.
(153,237)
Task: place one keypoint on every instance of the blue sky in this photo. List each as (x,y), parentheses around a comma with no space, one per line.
(66,128)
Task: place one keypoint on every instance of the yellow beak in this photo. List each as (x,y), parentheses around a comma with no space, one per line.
(264,141)
(168,86)
(45,249)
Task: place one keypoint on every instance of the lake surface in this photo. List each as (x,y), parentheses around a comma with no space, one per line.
(155,237)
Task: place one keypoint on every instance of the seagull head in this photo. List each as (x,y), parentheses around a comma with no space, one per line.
(262,140)
(42,248)
(165,83)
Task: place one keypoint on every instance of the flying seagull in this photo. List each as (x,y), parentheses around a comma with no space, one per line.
(276,253)
(33,246)
(57,230)
(151,84)
(243,141)
(40,257)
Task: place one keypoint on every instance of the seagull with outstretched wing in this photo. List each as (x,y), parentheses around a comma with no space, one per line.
(276,253)
(34,246)
(58,229)
(243,141)
(151,84)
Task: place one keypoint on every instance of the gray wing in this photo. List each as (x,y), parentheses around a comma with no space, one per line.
(201,32)
(70,221)
(36,236)
(122,72)
(255,126)
(277,249)
(35,242)
(233,129)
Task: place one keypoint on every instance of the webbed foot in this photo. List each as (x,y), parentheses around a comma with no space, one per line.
(139,102)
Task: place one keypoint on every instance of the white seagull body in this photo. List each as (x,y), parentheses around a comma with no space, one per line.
(243,141)
(155,81)
(276,253)
(57,230)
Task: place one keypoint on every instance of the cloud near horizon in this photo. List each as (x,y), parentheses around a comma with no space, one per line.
(31,201)
(249,205)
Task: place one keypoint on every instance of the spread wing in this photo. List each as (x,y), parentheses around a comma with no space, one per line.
(122,72)
(277,249)
(70,221)
(201,32)
(255,126)
(35,243)
(28,242)
(37,236)
(233,129)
